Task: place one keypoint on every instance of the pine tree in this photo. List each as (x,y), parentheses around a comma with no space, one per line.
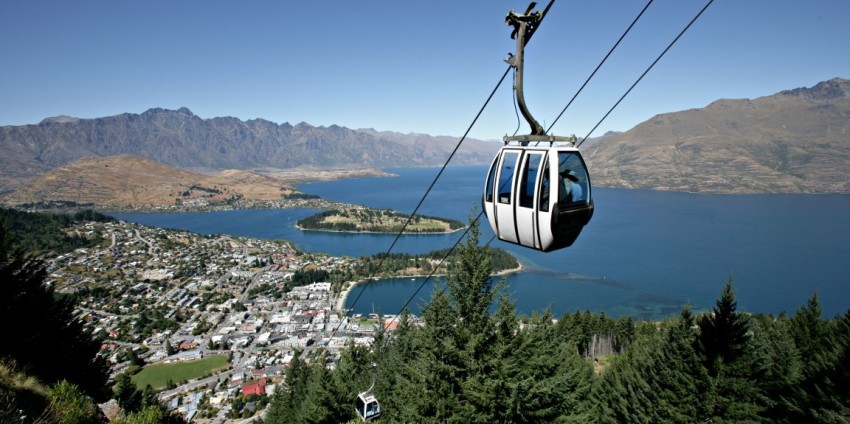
(287,402)
(821,393)
(723,332)
(470,285)
(128,396)
(681,377)
(26,300)
(399,384)
(811,335)
(726,352)
(840,373)
(443,359)
(169,349)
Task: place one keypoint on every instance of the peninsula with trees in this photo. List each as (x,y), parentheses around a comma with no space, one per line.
(358,219)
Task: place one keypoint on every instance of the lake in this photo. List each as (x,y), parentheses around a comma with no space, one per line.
(644,254)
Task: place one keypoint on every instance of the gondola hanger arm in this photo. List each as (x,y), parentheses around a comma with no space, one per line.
(524,27)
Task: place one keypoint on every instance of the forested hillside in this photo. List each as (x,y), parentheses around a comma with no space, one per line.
(51,369)
(38,232)
(463,364)
(359,219)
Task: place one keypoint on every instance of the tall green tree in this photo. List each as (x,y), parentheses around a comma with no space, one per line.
(821,393)
(779,365)
(723,332)
(288,403)
(727,354)
(811,335)
(43,321)
(127,394)
(680,376)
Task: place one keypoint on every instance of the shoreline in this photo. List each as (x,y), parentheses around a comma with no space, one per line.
(421,233)
(343,295)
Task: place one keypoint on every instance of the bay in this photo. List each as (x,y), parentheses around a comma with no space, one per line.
(645,253)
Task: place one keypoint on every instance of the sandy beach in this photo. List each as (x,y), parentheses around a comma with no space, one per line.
(343,296)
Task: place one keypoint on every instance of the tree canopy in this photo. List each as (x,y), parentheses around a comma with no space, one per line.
(462,363)
(42,322)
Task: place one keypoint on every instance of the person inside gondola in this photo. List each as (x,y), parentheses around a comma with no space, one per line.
(544,192)
(576,190)
(372,409)
(565,190)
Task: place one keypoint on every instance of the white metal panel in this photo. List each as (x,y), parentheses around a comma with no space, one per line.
(489,196)
(525,196)
(546,202)
(503,201)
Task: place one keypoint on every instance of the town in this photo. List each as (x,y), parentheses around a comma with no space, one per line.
(210,322)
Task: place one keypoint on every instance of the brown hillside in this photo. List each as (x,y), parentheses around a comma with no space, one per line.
(182,139)
(796,141)
(125,180)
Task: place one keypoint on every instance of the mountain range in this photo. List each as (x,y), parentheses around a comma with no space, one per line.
(182,139)
(795,141)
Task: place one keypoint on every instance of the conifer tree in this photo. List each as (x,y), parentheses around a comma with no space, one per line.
(841,371)
(811,335)
(723,332)
(399,383)
(126,393)
(442,360)
(820,395)
(726,352)
(43,321)
(681,377)
(287,403)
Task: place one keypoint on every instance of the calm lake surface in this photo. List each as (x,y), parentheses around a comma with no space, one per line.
(644,253)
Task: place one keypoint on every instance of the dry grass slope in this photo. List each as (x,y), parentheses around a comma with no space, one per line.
(796,141)
(129,180)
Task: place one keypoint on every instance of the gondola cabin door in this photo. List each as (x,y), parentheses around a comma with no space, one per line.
(512,194)
(538,197)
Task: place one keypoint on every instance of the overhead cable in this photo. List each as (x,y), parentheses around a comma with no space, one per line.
(410,218)
(599,65)
(647,71)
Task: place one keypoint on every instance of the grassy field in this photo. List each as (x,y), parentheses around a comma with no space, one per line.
(157,375)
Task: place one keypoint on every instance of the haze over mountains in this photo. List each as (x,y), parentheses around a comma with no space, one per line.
(795,141)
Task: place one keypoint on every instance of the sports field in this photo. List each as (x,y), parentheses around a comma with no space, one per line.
(157,375)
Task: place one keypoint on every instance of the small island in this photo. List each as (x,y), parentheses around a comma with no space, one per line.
(367,220)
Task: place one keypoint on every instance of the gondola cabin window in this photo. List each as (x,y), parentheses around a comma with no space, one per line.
(506,175)
(572,179)
(488,192)
(529,179)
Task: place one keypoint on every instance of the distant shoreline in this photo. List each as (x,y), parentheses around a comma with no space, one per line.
(343,295)
(421,233)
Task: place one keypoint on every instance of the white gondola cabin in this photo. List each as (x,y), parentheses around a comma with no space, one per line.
(367,406)
(538,197)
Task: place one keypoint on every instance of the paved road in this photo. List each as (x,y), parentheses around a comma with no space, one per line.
(143,240)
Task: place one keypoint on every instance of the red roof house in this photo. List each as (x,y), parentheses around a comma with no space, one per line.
(255,388)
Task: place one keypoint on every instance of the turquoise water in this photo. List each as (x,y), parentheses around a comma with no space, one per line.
(644,254)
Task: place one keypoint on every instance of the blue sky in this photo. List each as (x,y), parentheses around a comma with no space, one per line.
(404,66)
